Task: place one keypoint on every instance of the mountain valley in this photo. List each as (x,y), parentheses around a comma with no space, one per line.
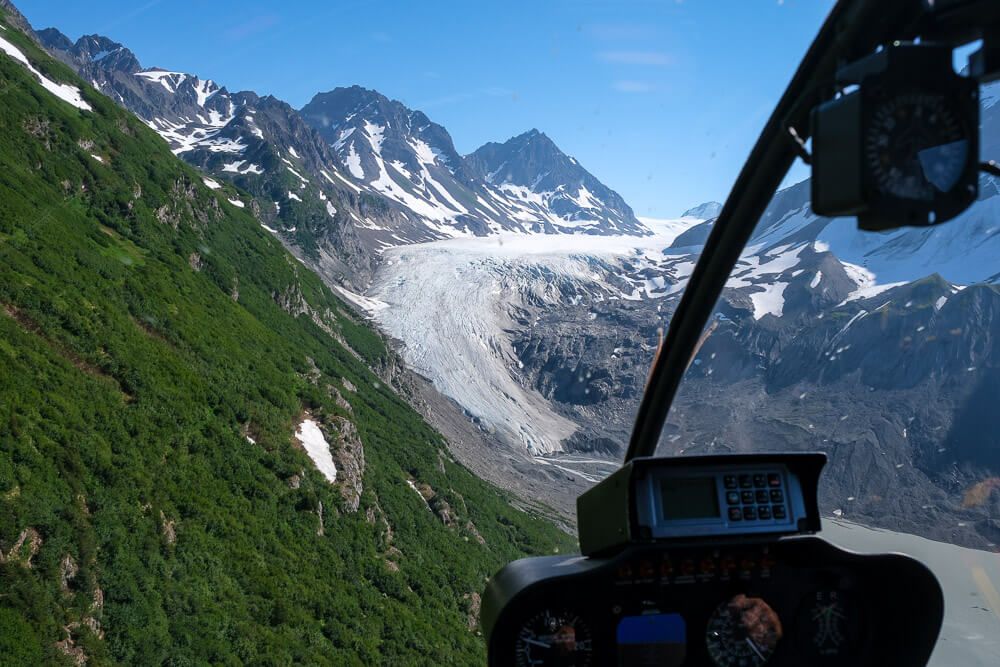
(529,294)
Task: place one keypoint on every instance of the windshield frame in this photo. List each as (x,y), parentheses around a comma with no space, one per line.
(852,29)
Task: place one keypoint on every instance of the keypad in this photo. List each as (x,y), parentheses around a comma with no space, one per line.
(755,497)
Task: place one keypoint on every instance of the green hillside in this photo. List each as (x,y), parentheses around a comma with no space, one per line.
(158,349)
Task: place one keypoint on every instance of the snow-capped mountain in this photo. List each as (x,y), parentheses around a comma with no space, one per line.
(549,191)
(524,185)
(187,111)
(706,211)
(352,173)
(401,155)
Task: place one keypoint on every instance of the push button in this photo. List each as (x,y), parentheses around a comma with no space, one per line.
(764,512)
(735,514)
(778,511)
(748,497)
(749,513)
(733,497)
(729,481)
(773,479)
(762,496)
(746,482)
(776,496)
(758,481)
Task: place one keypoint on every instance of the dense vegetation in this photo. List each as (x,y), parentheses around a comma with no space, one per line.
(147,328)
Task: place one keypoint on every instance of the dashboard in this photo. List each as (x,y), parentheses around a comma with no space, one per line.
(793,601)
(710,561)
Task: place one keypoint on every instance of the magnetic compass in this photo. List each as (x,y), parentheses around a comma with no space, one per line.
(899,145)
(915,146)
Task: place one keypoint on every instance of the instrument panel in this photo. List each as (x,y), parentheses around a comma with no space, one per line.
(794,601)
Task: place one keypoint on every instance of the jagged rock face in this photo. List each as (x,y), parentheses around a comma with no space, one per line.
(895,387)
(530,166)
(353,172)
(369,124)
(261,144)
(16,19)
(349,454)
(24,549)
(412,161)
(404,157)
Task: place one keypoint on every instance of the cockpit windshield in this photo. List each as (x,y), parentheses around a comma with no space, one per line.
(879,349)
(316,316)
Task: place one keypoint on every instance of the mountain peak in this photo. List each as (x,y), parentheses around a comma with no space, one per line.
(706,211)
(89,51)
(16,19)
(52,39)
(533,136)
(531,165)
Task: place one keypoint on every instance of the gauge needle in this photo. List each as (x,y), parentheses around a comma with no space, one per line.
(536,642)
(755,649)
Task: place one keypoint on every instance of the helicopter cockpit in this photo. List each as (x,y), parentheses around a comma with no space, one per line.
(714,559)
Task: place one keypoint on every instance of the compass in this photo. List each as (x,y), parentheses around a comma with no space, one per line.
(915,147)
(899,146)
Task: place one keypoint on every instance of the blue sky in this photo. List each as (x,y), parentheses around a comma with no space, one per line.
(660,99)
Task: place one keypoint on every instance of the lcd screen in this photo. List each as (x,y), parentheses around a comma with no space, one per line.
(689,498)
(652,639)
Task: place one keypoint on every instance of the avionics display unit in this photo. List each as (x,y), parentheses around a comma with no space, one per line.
(652,499)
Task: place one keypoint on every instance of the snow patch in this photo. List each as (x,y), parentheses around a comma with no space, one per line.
(353,163)
(770,301)
(316,446)
(869,292)
(367,304)
(210,184)
(63,91)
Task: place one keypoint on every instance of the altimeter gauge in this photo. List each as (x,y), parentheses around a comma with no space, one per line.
(554,638)
(742,632)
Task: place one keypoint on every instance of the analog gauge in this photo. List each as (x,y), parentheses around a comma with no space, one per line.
(742,632)
(554,639)
(915,147)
